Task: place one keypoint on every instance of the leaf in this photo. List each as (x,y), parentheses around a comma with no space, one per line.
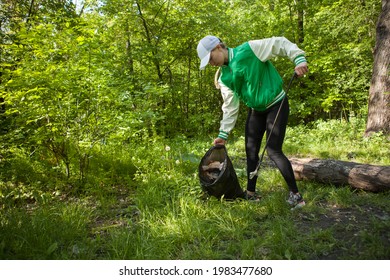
(80,40)
(52,248)
(287,254)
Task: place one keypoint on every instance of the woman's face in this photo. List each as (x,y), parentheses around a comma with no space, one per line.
(218,56)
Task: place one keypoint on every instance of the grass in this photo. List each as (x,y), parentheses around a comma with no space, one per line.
(146,203)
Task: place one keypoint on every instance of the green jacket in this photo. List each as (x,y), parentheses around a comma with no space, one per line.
(251,77)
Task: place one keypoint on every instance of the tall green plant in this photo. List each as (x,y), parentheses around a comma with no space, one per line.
(339,38)
(58,95)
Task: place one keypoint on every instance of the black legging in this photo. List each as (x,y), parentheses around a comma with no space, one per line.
(256,124)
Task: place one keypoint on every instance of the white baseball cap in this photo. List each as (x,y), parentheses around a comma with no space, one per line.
(205,46)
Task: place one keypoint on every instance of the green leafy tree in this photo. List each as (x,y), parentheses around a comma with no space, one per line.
(58,94)
(339,38)
(162,66)
(127,71)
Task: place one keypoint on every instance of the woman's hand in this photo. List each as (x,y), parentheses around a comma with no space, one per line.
(301,69)
(219,141)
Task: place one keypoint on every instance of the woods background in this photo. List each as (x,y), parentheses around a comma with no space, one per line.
(105,116)
(75,75)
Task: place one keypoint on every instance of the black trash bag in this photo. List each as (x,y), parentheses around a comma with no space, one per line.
(217,176)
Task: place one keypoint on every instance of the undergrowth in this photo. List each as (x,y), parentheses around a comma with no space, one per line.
(144,201)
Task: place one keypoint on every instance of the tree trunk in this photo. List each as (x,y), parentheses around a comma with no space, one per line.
(379,99)
(129,53)
(359,176)
(300,11)
(153,47)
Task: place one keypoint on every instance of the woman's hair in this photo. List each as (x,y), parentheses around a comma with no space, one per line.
(216,77)
(218,73)
(223,45)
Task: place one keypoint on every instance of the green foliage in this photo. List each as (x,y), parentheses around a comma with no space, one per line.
(50,232)
(104,116)
(340,140)
(143,201)
(121,70)
(339,40)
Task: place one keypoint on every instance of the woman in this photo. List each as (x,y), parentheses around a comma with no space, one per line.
(249,76)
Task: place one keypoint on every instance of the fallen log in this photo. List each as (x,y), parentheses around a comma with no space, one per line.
(367,177)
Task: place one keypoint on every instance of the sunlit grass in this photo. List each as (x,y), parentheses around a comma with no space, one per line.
(58,231)
(339,140)
(154,207)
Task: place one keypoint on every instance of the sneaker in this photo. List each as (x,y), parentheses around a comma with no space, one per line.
(295,200)
(252,197)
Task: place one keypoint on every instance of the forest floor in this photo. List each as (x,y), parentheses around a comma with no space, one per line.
(349,225)
(352,227)
(159,212)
